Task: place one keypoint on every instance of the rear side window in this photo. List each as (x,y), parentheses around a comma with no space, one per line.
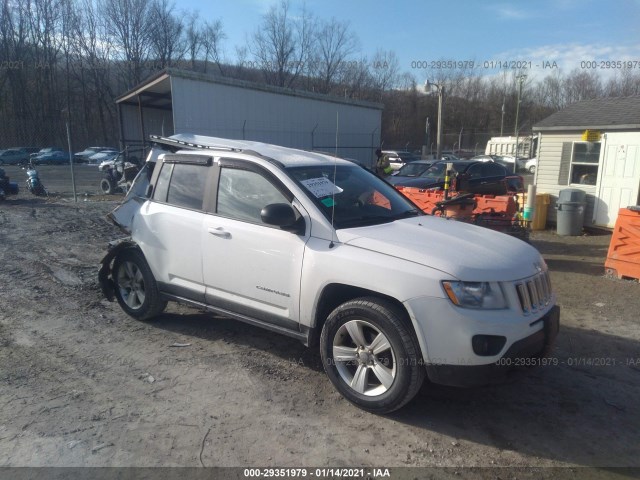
(162,185)
(181,185)
(187,185)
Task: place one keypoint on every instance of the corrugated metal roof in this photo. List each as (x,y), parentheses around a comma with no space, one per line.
(157,82)
(619,113)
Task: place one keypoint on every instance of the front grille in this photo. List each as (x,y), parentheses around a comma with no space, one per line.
(534,292)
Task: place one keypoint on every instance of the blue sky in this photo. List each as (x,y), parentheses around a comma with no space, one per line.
(562,31)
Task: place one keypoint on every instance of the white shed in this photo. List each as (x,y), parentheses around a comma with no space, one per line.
(593,146)
(176,101)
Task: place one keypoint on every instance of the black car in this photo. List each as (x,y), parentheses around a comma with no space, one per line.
(410,170)
(486,178)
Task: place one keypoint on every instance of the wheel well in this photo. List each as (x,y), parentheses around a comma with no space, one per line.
(104,274)
(335,295)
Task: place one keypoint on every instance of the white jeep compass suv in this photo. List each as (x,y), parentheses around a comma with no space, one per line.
(320,249)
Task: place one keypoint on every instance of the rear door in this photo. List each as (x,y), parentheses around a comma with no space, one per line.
(168,228)
(485,178)
(249,267)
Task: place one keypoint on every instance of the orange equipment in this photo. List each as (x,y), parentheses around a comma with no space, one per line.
(623,258)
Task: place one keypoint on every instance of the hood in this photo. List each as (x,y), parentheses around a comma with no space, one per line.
(467,252)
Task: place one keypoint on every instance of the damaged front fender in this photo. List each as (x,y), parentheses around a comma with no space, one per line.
(105,274)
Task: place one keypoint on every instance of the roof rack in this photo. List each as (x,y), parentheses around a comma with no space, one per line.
(183,143)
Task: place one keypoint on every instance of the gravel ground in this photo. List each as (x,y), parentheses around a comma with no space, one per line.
(82,384)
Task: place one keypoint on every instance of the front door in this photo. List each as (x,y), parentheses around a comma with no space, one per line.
(250,267)
(619,177)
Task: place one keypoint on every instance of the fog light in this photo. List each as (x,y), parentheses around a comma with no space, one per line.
(487,345)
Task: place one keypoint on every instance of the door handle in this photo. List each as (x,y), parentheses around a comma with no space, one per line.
(219,232)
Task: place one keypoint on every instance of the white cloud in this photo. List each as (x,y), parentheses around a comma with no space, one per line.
(567,57)
(510,12)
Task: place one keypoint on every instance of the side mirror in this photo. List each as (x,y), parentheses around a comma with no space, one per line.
(284,216)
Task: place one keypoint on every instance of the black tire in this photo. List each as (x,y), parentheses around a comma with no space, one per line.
(401,360)
(107,185)
(532,169)
(131,264)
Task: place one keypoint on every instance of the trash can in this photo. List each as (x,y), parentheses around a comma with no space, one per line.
(570,211)
(540,216)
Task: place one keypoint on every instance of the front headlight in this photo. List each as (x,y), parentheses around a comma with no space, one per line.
(475,294)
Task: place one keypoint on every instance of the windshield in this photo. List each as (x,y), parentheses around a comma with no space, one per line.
(413,169)
(352,196)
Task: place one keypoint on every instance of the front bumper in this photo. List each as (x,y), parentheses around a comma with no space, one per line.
(522,353)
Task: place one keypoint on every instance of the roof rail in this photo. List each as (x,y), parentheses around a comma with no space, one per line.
(175,142)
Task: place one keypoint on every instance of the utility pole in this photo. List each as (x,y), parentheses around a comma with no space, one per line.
(440,89)
(502,118)
(520,79)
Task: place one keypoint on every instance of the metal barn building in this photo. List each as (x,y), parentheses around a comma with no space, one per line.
(593,146)
(177,101)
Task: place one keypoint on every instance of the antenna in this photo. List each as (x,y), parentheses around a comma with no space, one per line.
(335,168)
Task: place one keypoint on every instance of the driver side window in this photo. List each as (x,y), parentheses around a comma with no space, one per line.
(242,194)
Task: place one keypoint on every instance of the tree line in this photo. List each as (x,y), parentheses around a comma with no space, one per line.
(67,60)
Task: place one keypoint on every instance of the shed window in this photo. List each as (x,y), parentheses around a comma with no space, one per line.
(585,159)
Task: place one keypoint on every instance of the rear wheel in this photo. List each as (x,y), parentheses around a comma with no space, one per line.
(532,169)
(135,288)
(371,355)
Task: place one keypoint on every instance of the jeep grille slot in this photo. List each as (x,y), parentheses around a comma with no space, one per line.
(534,293)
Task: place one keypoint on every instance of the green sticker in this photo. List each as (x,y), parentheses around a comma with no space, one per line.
(328,202)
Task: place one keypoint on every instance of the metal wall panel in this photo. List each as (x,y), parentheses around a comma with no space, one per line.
(241,113)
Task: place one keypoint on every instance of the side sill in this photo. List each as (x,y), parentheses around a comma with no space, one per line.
(302,336)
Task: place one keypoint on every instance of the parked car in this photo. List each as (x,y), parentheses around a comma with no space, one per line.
(531,165)
(13,156)
(507,161)
(471,176)
(100,157)
(29,150)
(46,150)
(51,158)
(486,158)
(320,249)
(83,156)
(397,158)
(410,170)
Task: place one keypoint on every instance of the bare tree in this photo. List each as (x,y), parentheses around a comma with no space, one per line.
(385,68)
(281,46)
(581,85)
(334,45)
(94,74)
(212,36)
(166,39)
(130,30)
(193,38)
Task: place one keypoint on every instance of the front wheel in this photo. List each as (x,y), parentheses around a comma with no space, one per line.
(532,169)
(371,355)
(135,288)
(107,185)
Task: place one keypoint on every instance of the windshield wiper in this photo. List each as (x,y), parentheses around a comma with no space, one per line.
(414,212)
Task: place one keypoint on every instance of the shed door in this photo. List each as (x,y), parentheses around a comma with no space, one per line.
(619,178)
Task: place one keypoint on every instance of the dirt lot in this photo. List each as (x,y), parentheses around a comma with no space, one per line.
(83,384)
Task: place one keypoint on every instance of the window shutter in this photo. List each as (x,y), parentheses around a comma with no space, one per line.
(565,164)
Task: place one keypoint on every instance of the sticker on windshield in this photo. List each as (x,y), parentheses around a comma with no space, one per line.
(321,187)
(328,202)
